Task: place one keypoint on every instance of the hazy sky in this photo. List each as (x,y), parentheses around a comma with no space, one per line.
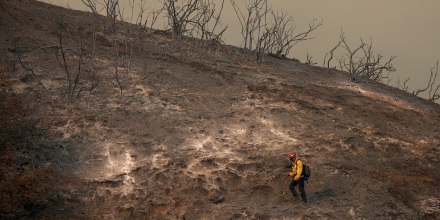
(407,29)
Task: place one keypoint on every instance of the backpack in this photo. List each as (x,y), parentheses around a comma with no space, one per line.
(306,172)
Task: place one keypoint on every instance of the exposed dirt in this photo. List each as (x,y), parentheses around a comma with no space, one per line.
(196,130)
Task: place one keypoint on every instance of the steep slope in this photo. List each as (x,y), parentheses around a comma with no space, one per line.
(166,129)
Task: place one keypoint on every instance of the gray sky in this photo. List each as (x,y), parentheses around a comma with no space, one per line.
(407,29)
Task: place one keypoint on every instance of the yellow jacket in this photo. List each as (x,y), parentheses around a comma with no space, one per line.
(297,168)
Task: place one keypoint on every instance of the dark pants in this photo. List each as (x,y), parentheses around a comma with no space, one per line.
(300,182)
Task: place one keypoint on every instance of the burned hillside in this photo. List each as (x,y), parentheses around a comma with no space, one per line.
(136,124)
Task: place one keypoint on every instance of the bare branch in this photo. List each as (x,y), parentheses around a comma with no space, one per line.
(143,22)
(366,64)
(117,79)
(331,54)
(433,91)
(309,60)
(272,33)
(29,69)
(93,83)
(64,66)
(91,4)
(251,22)
(404,86)
(79,65)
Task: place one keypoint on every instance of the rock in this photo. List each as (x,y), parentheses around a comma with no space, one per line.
(216,197)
